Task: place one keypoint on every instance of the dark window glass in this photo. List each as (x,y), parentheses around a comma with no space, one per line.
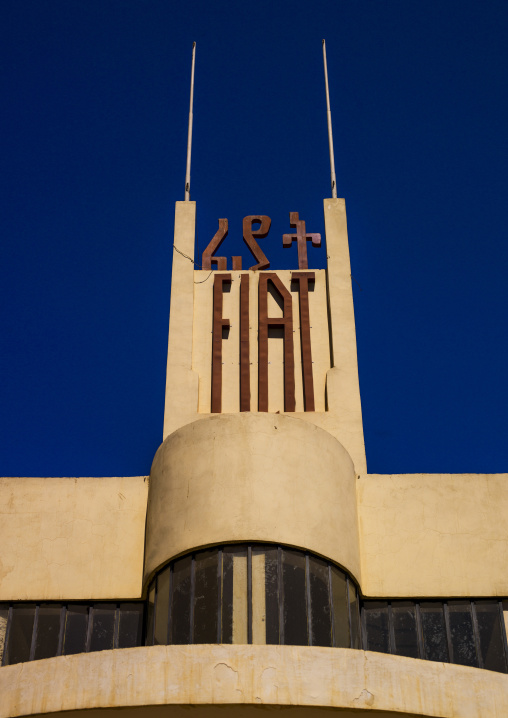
(340,609)
(354,612)
(258,593)
(234,591)
(130,629)
(103,626)
(435,645)
(20,634)
(321,622)
(272,595)
(162,608)
(48,631)
(206,597)
(4,615)
(294,597)
(150,614)
(461,631)
(404,628)
(76,626)
(227,597)
(180,623)
(492,644)
(376,626)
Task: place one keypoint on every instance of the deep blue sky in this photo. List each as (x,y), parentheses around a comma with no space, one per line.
(93,132)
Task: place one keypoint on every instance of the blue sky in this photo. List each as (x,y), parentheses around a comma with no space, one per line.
(93,132)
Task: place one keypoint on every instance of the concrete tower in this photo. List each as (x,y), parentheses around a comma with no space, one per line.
(259,566)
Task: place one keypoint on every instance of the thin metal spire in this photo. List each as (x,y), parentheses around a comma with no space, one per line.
(329,118)
(189,135)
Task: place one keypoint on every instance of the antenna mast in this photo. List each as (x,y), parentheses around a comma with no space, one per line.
(329,118)
(189,135)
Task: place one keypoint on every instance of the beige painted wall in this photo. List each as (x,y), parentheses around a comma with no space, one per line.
(71,538)
(299,679)
(418,535)
(434,535)
(252,476)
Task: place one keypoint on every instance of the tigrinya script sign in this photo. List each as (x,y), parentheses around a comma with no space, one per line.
(261,337)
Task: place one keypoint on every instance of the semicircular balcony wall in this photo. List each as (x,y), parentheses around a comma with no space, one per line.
(260,594)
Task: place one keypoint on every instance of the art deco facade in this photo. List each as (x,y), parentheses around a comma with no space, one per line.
(259,566)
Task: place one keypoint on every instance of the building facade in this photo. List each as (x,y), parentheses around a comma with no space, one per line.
(259,566)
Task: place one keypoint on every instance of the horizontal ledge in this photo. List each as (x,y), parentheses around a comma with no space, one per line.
(219,675)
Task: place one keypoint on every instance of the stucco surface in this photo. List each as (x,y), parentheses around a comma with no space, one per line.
(343,387)
(434,535)
(276,676)
(66,538)
(252,477)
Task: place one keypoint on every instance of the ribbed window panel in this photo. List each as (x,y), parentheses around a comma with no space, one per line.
(19,642)
(75,629)
(405,629)
(48,631)
(130,630)
(490,632)
(103,627)
(461,633)
(435,644)
(321,619)
(376,626)
(162,611)
(340,603)
(206,606)
(181,601)
(294,598)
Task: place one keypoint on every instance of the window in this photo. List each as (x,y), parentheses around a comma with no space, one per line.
(253,594)
(260,594)
(469,633)
(30,631)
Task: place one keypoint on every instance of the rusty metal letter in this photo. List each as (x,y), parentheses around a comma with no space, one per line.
(217,239)
(249,234)
(218,323)
(244,344)
(302,237)
(303,279)
(264,322)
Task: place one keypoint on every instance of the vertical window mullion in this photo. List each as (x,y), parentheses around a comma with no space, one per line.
(34,633)
(503,631)
(219,596)
(308,600)
(350,618)
(63,613)
(476,634)
(281,596)
(156,590)
(116,627)
(6,637)
(363,628)
(391,630)
(249,594)
(448,631)
(170,606)
(192,598)
(89,629)
(330,601)
(419,630)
